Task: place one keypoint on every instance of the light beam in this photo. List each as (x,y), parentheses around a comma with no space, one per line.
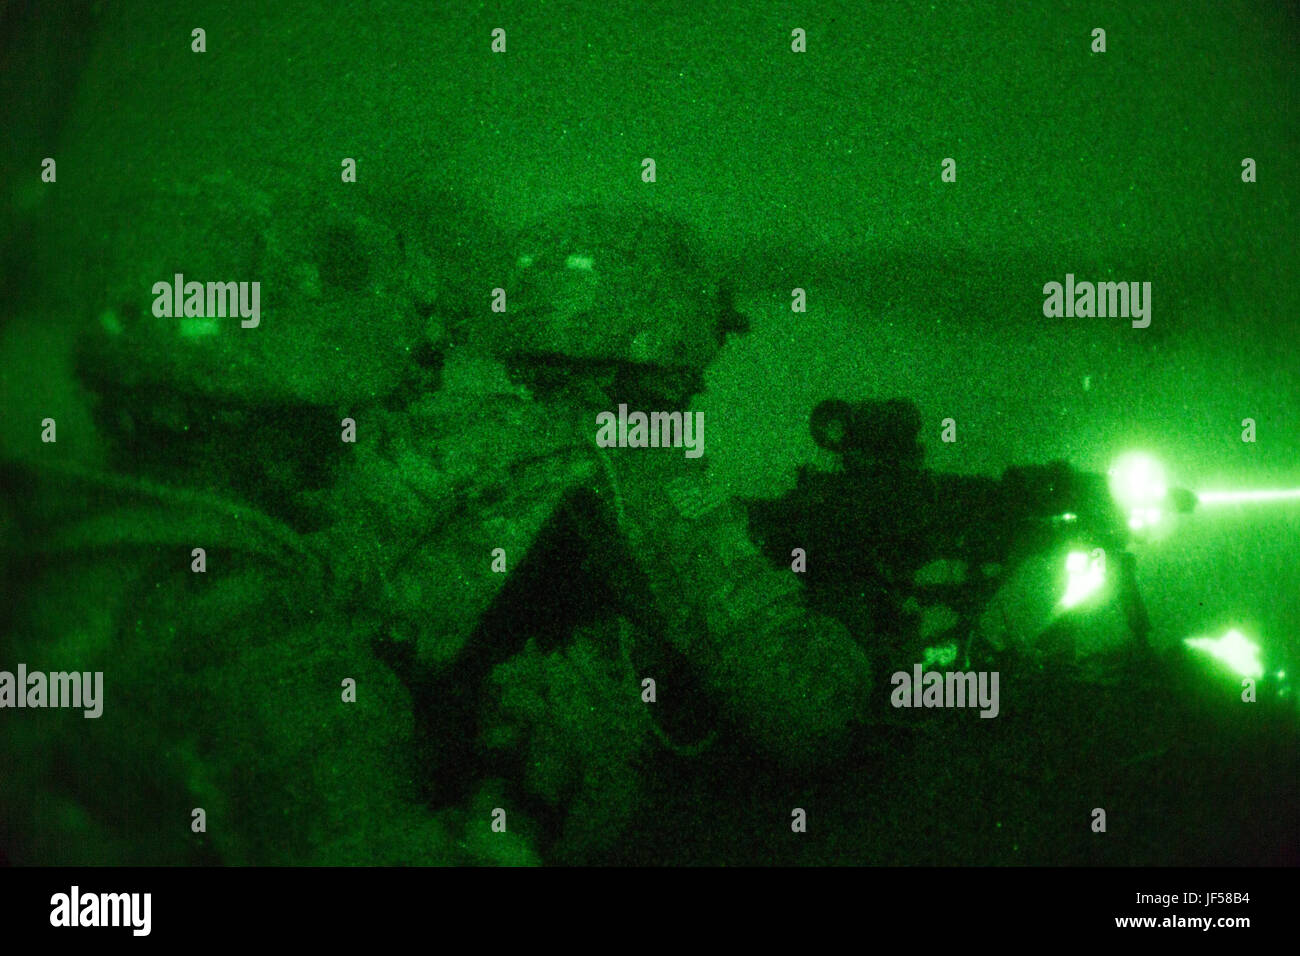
(1258,496)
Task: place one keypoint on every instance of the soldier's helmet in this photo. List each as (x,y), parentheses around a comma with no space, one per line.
(345,280)
(620,283)
(351,282)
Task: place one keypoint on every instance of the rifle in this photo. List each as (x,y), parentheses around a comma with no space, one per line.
(883,536)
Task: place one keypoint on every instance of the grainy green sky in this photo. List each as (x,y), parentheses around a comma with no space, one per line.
(819,170)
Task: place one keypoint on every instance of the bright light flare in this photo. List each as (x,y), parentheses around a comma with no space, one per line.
(1085,574)
(1234,649)
(1137,483)
(1140,518)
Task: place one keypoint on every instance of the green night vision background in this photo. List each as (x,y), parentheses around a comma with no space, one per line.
(819,171)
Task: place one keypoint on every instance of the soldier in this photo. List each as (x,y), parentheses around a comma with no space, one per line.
(246,716)
(604,306)
(364,471)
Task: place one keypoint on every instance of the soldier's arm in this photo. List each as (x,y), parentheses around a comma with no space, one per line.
(795,681)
